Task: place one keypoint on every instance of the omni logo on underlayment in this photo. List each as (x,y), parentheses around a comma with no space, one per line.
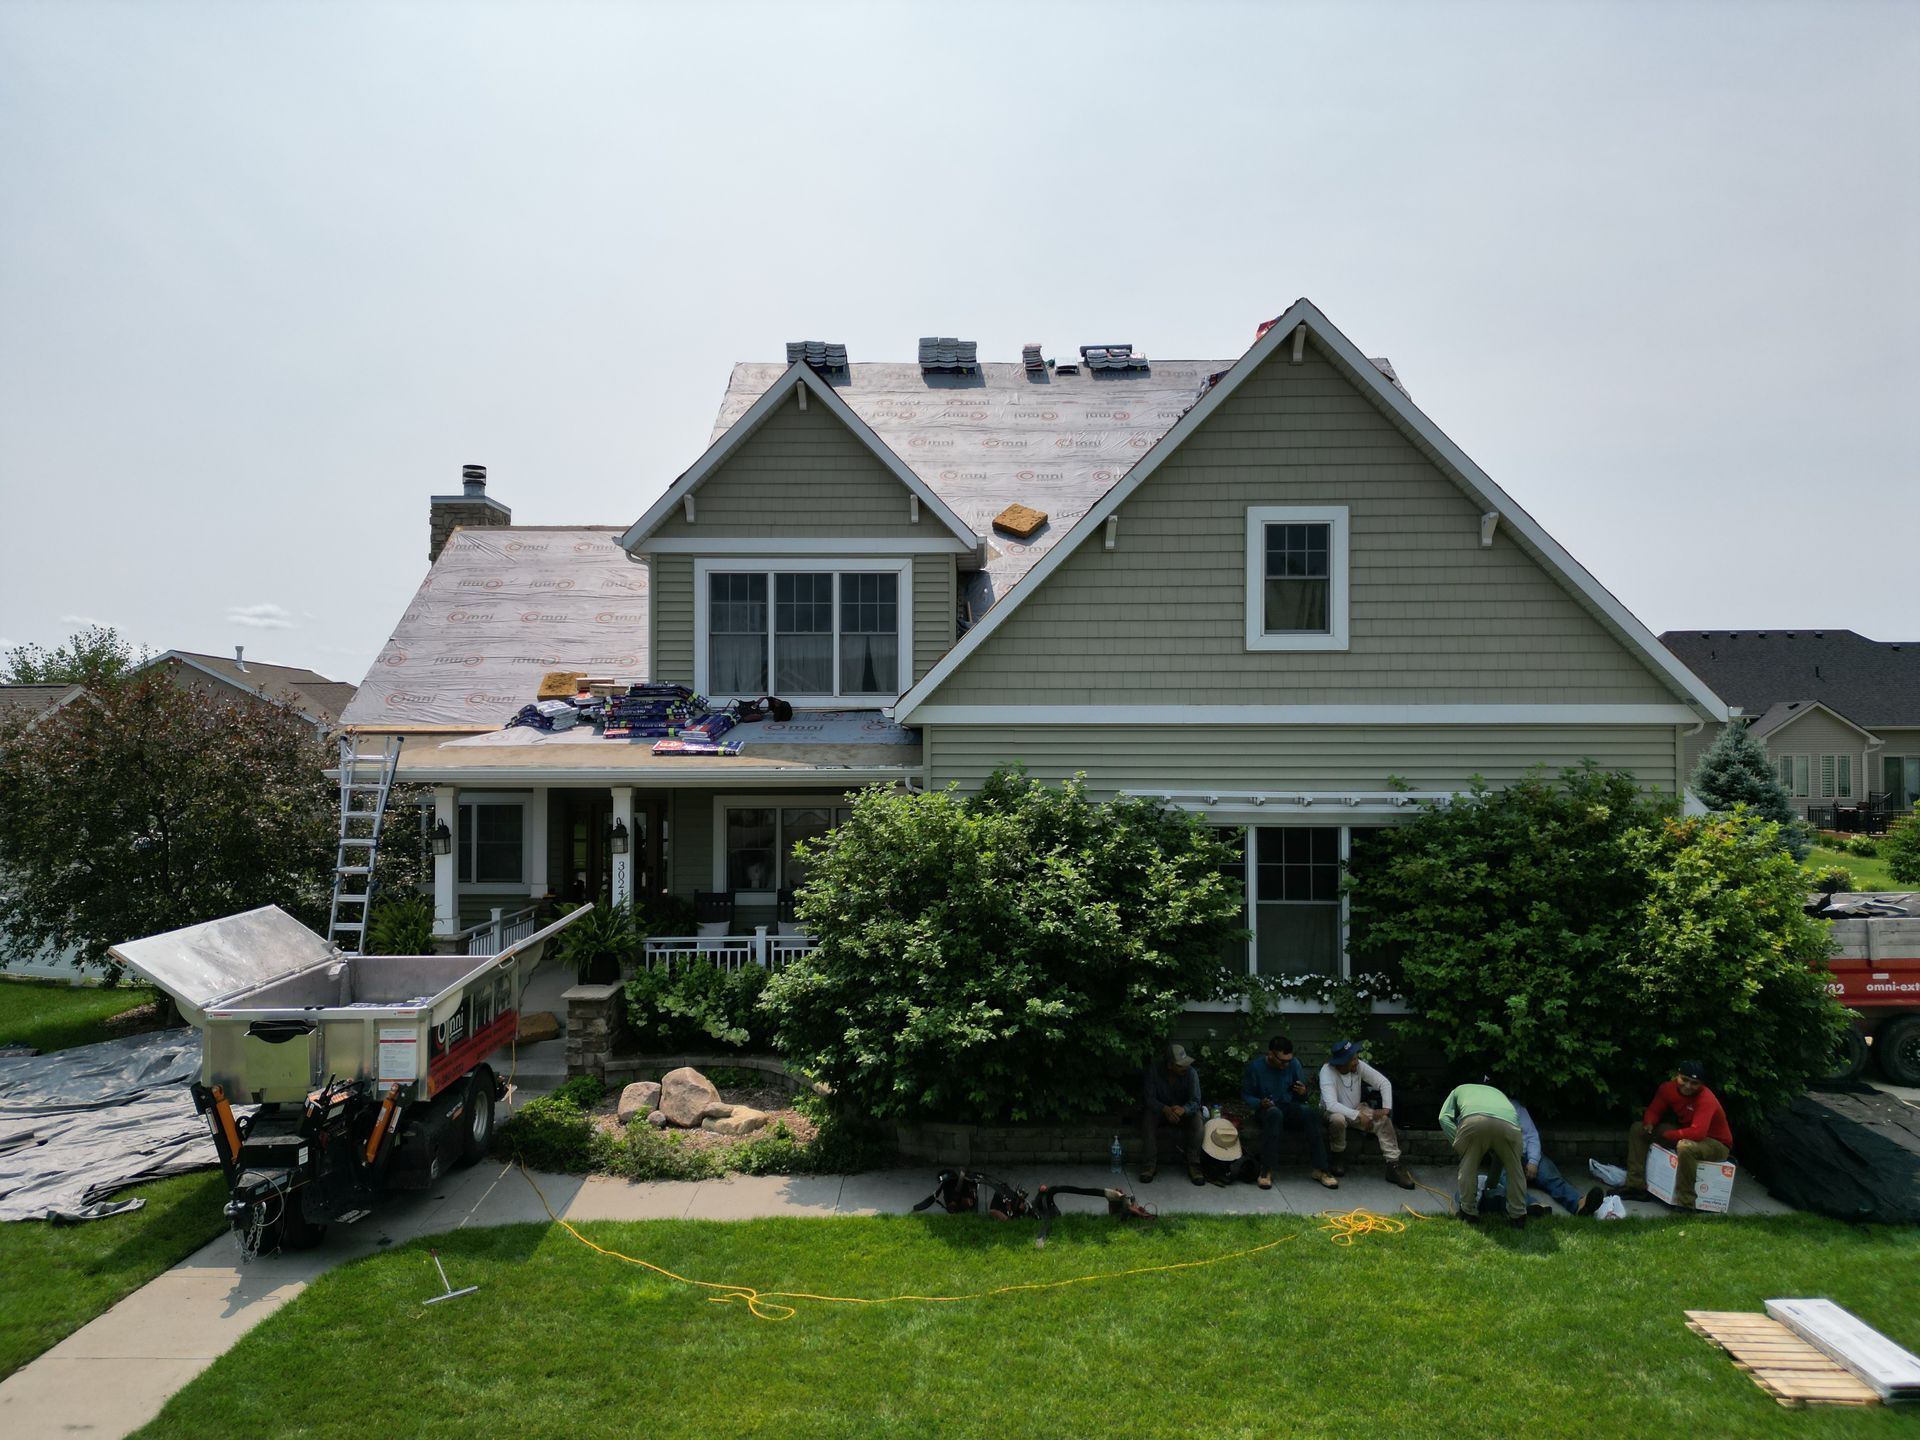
(534,617)
(410,697)
(481,697)
(551,585)
(469,617)
(398,657)
(610,617)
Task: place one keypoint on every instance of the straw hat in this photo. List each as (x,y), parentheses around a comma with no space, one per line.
(1221,1140)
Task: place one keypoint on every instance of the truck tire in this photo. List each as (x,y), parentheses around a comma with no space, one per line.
(1898,1050)
(477,1128)
(296,1231)
(1849,1058)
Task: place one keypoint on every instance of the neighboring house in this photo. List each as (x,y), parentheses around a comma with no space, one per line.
(1270,590)
(25,704)
(291,687)
(1838,714)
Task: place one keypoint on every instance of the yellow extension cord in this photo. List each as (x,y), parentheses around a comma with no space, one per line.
(1340,1228)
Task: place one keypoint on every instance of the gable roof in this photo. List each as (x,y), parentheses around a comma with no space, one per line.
(22,705)
(1479,487)
(802,375)
(294,686)
(1778,717)
(1867,682)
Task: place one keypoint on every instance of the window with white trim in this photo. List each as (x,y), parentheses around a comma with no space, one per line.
(1297,577)
(759,842)
(491,845)
(1836,777)
(1792,771)
(804,630)
(1294,905)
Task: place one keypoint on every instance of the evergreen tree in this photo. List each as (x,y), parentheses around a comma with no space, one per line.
(1735,771)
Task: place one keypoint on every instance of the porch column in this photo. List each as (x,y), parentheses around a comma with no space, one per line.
(536,837)
(446,900)
(623,864)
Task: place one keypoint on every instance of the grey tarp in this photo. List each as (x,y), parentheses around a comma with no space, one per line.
(80,1125)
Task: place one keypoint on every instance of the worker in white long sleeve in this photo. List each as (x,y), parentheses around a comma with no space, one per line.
(1343,1099)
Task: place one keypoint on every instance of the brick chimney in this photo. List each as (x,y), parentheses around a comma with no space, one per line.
(473,509)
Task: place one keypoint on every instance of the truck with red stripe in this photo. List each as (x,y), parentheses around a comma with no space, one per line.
(329,1078)
(1876,974)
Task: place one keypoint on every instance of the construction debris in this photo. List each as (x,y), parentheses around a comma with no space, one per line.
(1780,1362)
(1893,1373)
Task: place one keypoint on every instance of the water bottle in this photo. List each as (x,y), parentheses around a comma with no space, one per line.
(1113,1154)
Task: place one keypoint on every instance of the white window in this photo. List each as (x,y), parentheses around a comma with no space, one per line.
(1792,770)
(805,630)
(1295,908)
(756,840)
(1297,577)
(491,845)
(1836,777)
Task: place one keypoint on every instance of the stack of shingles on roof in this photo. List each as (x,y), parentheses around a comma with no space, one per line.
(819,355)
(1112,357)
(945,354)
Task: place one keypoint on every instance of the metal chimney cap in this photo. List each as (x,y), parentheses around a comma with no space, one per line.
(474,479)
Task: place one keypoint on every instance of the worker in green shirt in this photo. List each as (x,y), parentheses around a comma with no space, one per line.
(1478,1118)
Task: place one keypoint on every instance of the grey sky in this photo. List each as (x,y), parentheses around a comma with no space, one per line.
(270,273)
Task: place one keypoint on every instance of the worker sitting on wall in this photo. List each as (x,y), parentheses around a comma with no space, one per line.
(1686,1117)
(1172,1097)
(1274,1089)
(1344,1080)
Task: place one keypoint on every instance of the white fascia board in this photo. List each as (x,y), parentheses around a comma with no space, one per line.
(798,373)
(1300,715)
(723,548)
(495,776)
(1364,373)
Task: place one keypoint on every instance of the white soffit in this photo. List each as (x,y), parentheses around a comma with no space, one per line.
(1452,461)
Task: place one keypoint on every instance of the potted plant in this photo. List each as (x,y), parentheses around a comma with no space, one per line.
(598,945)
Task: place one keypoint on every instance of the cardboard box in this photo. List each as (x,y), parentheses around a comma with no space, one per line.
(1712,1180)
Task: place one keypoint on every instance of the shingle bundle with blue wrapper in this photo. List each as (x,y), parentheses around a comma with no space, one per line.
(652,711)
(547,715)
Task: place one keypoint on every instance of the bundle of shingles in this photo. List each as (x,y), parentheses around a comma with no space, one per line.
(677,719)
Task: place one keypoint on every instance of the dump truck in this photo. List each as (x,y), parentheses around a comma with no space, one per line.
(328,1078)
(1876,974)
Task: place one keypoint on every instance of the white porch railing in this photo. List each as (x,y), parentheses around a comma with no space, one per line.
(727,952)
(493,935)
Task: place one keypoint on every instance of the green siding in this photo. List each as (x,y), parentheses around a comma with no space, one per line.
(670,618)
(1435,617)
(1431,758)
(934,601)
(802,473)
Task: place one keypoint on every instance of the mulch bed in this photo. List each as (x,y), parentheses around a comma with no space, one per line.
(775,1100)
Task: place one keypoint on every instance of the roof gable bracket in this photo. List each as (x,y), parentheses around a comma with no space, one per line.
(686,506)
(1299,343)
(1489,522)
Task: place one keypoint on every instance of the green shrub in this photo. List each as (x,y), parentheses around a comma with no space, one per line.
(1863,846)
(697,1006)
(400,925)
(1902,849)
(1830,877)
(550,1133)
(995,956)
(583,1091)
(1575,941)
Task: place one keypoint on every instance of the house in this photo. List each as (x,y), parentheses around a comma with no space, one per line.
(292,687)
(1270,590)
(1838,714)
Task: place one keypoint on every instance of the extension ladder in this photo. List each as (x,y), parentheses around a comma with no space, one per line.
(365,775)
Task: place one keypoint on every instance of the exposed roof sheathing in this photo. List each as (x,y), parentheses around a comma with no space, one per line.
(500,608)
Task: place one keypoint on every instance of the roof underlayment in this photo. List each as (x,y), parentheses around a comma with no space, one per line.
(499,609)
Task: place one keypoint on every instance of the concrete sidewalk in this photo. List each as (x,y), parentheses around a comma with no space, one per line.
(114,1374)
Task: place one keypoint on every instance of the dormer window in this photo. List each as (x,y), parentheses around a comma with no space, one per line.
(809,631)
(1297,577)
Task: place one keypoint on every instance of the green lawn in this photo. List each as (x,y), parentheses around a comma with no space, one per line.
(1868,873)
(1569,1329)
(52,1015)
(58,1277)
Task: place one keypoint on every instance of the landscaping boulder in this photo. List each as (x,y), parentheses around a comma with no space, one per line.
(658,1119)
(637,1100)
(688,1097)
(542,1025)
(743,1121)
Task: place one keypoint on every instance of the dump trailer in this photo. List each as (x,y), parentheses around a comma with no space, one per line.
(1876,974)
(327,1078)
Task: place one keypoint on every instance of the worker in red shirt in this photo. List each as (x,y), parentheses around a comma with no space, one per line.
(1686,1117)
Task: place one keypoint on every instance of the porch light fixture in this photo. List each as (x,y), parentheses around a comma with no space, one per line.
(617,837)
(442,838)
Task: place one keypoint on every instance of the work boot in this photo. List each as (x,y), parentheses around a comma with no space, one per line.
(1265,1180)
(1518,1222)
(1325,1179)
(1590,1201)
(1398,1174)
(1146,1175)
